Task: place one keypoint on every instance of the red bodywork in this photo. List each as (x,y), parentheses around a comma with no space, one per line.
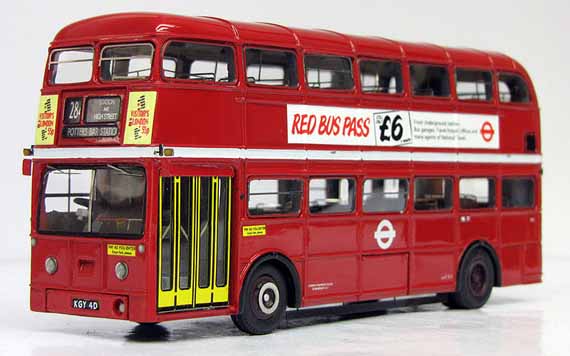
(242,116)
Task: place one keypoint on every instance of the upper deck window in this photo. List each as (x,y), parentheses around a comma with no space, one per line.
(73,65)
(513,89)
(328,72)
(197,61)
(126,62)
(380,77)
(429,80)
(474,85)
(271,67)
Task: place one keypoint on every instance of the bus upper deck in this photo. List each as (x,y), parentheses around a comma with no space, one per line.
(151,79)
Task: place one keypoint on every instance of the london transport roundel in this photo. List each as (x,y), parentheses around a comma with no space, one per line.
(385,234)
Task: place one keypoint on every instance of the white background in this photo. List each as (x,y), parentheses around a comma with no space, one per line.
(533,32)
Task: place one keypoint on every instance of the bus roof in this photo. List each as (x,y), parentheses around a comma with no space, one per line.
(140,25)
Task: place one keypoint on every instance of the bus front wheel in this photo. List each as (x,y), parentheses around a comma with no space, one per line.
(263,302)
(475,282)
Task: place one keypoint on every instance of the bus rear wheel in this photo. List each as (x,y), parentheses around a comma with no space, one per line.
(475,282)
(263,302)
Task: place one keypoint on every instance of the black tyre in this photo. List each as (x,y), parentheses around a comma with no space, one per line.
(263,302)
(475,281)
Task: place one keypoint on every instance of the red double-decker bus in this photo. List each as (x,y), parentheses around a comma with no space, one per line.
(188,167)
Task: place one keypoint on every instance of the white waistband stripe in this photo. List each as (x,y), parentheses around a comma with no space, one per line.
(273,154)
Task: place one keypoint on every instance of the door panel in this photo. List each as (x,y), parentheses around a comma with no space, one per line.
(185,241)
(194,243)
(167,293)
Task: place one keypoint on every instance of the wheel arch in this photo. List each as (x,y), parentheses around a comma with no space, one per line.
(494,258)
(287,269)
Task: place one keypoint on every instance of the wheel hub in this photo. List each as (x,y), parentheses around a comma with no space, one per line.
(478,280)
(268,299)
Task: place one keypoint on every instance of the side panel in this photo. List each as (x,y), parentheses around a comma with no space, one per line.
(203,115)
(384,275)
(332,256)
(384,263)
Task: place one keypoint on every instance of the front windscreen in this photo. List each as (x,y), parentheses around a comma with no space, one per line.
(103,200)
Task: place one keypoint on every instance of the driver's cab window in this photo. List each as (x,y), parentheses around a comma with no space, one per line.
(105,200)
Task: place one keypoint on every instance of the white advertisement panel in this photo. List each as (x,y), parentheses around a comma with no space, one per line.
(329,125)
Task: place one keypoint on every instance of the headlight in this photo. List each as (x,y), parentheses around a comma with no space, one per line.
(121,270)
(51,265)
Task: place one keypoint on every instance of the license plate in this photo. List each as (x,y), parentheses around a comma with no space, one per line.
(85,304)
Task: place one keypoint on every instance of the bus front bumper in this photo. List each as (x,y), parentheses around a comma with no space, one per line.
(97,305)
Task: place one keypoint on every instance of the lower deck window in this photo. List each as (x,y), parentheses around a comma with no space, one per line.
(433,193)
(332,195)
(384,195)
(103,200)
(476,193)
(274,196)
(518,192)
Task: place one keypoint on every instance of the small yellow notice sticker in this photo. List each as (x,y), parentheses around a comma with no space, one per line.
(45,126)
(253,230)
(140,117)
(121,250)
